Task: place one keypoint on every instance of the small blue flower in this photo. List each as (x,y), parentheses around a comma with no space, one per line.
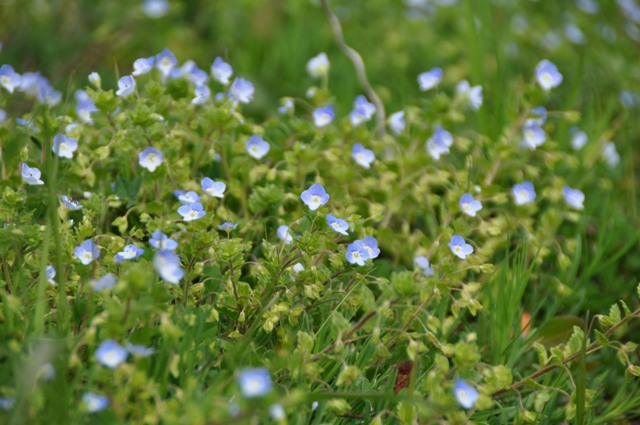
(287,106)
(423,264)
(362,111)
(276,411)
(578,138)
(139,350)
(469,206)
(191,212)
(143,66)
(150,158)
(465,394)
(107,281)
(221,71)
(362,156)
(7,403)
(318,66)
(227,226)
(94,78)
(202,94)
(126,86)
(357,253)
(315,196)
(84,109)
(3,116)
(111,354)
(161,241)
(9,79)
(64,146)
(472,95)
(371,245)
(255,382)
(47,95)
(323,116)
(611,155)
(547,75)
(94,402)
(430,79)
(284,235)
(533,136)
(213,188)
(168,266)
(241,91)
(71,204)
(128,253)
(186,198)
(538,116)
(338,225)
(523,193)
(439,143)
(31,175)
(459,247)
(165,62)
(87,252)
(155,8)
(573,197)
(198,77)
(50,273)
(397,122)
(257,147)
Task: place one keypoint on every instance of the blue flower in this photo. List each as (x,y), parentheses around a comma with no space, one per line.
(94,78)
(397,122)
(255,382)
(338,225)
(578,138)
(221,71)
(186,198)
(64,146)
(362,111)
(72,205)
(362,156)
(371,245)
(191,212)
(50,273)
(573,197)
(9,79)
(87,252)
(439,143)
(357,253)
(126,86)
(523,193)
(143,66)
(588,6)
(198,77)
(155,8)
(534,136)
(168,266)
(459,247)
(547,75)
(610,154)
(315,196)
(128,253)
(318,66)
(111,354)
(107,281)
(139,350)
(465,394)
(94,402)
(47,95)
(257,147)
(31,175)
(150,158)
(84,109)
(7,403)
(3,116)
(423,264)
(161,241)
(323,116)
(284,235)
(241,91)
(213,188)
(202,94)
(276,411)
(468,205)
(165,62)
(227,226)
(539,116)
(287,105)
(472,95)
(430,79)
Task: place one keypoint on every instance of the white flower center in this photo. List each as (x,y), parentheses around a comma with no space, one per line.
(87,256)
(315,199)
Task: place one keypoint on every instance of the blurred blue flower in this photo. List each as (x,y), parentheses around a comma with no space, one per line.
(202,94)
(588,6)
(107,281)
(94,78)
(284,235)
(227,226)
(439,143)
(111,354)
(533,136)
(362,111)
(161,241)
(276,411)
(241,91)
(357,253)
(87,252)
(84,109)
(150,158)
(468,205)
(143,66)
(138,350)
(94,402)
(198,77)
(362,156)
(165,62)
(459,247)
(573,197)
(64,146)
(315,196)
(50,274)
(128,253)
(323,116)
(547,75)
(3,116)
(71,204)
(318,66)
(611,155)
(213,188)
(471,95)
(155,8)
(126,86)
(397,122)
(573,33)
(538,116)
(257,147)
(423,264)
(255,382)
(221,71)
(523,193)
(465,394)
(371,245)
(7,403)
(578,138)
(168,266)
(338,225)
(187,198)
(287,105)
(9,79)
(31,175)
(191,212)
(430,79)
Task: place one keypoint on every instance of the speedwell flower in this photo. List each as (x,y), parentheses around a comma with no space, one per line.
(64,146)
(128,253)
(523,193)
(165,62)
(573,197)
(357,253)
(257,147)
(255,382)
(471,95)
(371,245)
(547,75)
(459,247)
(323,116)
(397,122)
(138,350)
(111,354)
(31,175)
(187,198)
(611,155)
(338,225)
(221,71)
(107,281)
(315,196)
(9,79)
(192,211)
(213,188)
(150,158)
(439,143)
(143,66)
(202,94)
(227,226)
(362,111)
(430,79)
(241,91)
(126,86)
(578,138)
(168,266)
(318,66)
(50,274)
(71,204)
(87,252)
(533,135)
(284,235)
(468,205)
(364,157)
(161,241)
(465,394)
(94,402)
(424,265)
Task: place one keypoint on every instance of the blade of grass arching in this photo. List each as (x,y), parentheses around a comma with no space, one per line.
(477,36)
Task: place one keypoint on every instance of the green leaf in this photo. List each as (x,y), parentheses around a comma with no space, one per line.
(558,330)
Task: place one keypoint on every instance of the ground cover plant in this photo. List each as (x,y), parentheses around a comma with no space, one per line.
(189,239)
